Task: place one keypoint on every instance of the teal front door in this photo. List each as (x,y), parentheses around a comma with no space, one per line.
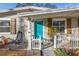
(38,29)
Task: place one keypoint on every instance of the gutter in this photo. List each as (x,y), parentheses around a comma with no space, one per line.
(44,12)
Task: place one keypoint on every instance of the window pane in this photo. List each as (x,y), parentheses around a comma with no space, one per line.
(55,23)
(59,26)
(4,29)
(4,23)
(62,29)
(55,29)
(62,23)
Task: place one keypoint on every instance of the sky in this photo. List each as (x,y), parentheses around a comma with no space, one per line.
(4,6)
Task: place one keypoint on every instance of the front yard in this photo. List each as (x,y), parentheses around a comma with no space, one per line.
(66,52)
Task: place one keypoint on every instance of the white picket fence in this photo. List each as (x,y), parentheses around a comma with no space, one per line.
(70,41)
(36,43)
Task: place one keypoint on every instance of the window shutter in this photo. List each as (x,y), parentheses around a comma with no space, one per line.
(69,29)
(49,26)
(13,26)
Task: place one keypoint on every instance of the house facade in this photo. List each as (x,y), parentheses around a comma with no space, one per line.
(36,23)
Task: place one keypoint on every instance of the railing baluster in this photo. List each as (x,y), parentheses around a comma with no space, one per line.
(73,43)
(77,43)
(36,43)
(62,38)
(55,42)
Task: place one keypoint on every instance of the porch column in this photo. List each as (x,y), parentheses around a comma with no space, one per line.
(21,26)
(45,25)
(17,24)
(28,31)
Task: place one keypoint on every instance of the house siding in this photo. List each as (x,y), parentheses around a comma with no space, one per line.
(78,25)
(49,26)
(74,25)
(69,29)
(13,25)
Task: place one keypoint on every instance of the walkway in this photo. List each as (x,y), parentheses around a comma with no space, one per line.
(48,51)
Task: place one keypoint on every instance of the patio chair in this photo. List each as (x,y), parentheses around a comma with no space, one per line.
(19,38)
(19,43)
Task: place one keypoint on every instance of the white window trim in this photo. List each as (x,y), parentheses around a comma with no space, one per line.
(8,20)
(60,19)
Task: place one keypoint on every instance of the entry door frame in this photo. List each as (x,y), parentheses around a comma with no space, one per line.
(42,26)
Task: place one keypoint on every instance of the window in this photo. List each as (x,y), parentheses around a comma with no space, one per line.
(4,26)
(59,26)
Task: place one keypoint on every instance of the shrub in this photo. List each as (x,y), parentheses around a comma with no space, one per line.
(62,52)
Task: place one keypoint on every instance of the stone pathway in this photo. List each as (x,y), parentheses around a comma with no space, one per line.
(48,52)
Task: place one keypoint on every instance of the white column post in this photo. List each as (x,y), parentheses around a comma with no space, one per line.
(29,34)
(55,45)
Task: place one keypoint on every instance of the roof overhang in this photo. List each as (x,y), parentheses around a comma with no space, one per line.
(28,11)
(52,13)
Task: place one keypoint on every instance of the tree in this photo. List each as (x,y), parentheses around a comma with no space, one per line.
(48,5)
(23,4)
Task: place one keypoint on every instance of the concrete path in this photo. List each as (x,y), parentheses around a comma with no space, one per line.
(48,52)
(33,53)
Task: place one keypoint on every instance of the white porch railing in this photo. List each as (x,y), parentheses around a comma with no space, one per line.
(36,43)
(70,41)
